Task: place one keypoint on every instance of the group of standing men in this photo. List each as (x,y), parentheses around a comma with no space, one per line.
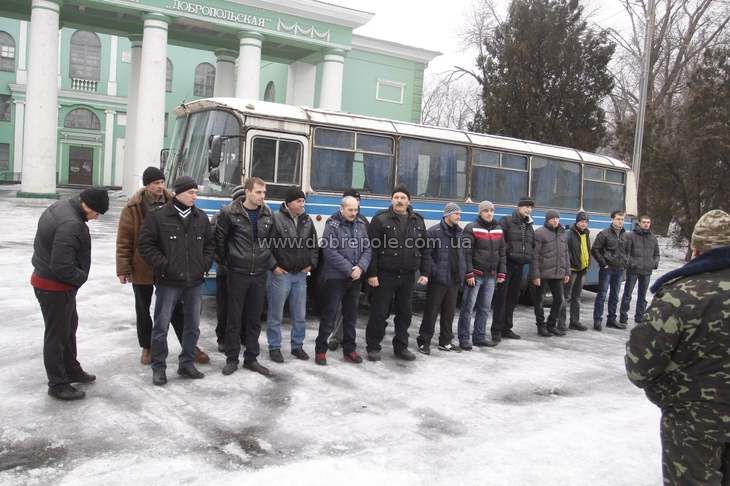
(165,242)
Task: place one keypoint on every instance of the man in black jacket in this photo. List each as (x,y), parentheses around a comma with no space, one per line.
(61,262)
(400,247)
(241,232)
(609,250)
(176,240)
(642,255)
(520,239)
(293,243)
(579,250)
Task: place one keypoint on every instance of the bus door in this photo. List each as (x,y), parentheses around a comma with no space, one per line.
(280,159)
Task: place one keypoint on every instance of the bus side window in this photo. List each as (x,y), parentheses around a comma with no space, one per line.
(276,161)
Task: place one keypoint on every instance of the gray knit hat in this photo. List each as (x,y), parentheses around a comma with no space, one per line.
(550,214)
(484,205)
(238,191)
(451,208)
(711,231)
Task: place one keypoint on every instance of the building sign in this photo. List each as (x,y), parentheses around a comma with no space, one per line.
(219,13)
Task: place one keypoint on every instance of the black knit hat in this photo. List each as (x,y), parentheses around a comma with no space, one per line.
(152,174)
(525,201)
(184,183)
(401,188)
(581,216)
(352,193)
(96,198)
(550,214)
(294,193)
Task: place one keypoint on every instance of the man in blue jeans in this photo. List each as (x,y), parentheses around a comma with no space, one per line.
(293,244)
(177,241)
(609,250)
(485,257)
(642,255)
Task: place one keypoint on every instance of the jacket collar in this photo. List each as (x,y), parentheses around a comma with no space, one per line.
(456,229)
(519,219)
(485,224)
(710,261)
(136,198)
(577,231)
(237,208)
(639,231)
(76,204)
(394,215)
(285,211)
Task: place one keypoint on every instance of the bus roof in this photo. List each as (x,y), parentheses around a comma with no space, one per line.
(318,116)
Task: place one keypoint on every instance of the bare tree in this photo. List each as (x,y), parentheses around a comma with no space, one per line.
(450,101)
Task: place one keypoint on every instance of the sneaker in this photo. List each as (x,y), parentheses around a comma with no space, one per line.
(81,377)
(449,347)
(65,392)
(405,355)
(201,357)
(510,334)
(542,330)
(276,356)
(256,367)
(577,326)
(320,358)
(616,325)
(556,331)
(145,358)
(424,349)
(597,326)
(483,343)
(353,357)
(159,377)
(230,368)
(299,353)
(465,346)
(374,356)
(333,344)
(190,372)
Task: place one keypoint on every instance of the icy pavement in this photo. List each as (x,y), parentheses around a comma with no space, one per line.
(556,411)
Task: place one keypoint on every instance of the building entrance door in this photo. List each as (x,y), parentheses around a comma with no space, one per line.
(80,165)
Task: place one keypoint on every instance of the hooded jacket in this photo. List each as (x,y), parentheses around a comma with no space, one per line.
(346,245)
(573,237)
(129,261)
(642,251)
(551,259)
(519,236)
(448,263)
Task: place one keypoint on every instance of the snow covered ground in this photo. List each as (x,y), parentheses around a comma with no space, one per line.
(556,411)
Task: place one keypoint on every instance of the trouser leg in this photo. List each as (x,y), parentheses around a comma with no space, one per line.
(142,302)
(237,288)
(298,309)
(166,299)
(350,302)
(58,309)
(539,299)
(483,307)
(641,297)
(382,296)
(337,332)
(177,320)
(191,332)
(277,291)
(333,294)
(435,294)
(603,283)
(575,291)
(626,298)
(254,305)
(448,309)
(468,301)
(513,293)
(221,306)
(403,310)
(556,288)
(613,294)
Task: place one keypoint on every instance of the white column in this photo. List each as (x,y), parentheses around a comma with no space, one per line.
(111,85)
(41,117)
(21,74)
(330,90)
(300,84)
(18,124)
(108,147)
(225,70)
(60,43)
(248,80)
(129,180)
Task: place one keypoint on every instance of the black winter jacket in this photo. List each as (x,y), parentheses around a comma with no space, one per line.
(180,251)
(573,236)
(609,249)
(642,251)
(448,265)
(62,245)
(294,245)
(485,249)
(519,236)
(551,260)
(235,245)
(396,249)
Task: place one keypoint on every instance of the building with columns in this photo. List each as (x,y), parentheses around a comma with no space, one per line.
(87,87)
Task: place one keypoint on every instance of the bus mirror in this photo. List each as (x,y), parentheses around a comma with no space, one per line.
(215,143)
(164,153)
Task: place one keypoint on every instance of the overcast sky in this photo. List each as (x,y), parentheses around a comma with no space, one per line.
(436,24)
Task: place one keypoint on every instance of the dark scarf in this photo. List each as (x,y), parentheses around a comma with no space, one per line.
(711,261)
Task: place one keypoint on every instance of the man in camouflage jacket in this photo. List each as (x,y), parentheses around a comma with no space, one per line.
(679,354)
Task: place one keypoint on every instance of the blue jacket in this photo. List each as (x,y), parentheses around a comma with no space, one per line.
(345,245)
(441,239)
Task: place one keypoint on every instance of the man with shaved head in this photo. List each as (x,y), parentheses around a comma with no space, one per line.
(346,252)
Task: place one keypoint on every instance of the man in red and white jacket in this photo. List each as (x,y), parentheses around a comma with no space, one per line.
(485,255)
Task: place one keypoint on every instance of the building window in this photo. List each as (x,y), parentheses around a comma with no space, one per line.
(390,91)
(270,92)
(4,157)
(7,52)
(82,118)
(85,56)
(5,107)
(204,80)
(168,76)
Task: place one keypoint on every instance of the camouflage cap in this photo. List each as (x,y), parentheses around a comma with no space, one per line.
(711,231)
